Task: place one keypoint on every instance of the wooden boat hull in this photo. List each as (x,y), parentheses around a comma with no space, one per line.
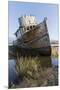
(35,42)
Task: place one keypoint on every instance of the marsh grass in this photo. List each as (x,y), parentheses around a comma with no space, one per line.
(54,52)
(36,71)
(27,65)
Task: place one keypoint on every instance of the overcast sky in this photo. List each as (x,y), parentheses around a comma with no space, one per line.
(17,9)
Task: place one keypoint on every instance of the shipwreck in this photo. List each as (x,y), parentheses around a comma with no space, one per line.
(32,37)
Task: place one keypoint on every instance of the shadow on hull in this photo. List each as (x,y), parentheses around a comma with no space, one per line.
(13,50)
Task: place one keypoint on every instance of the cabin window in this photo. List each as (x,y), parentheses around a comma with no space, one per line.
(33,26)
(30,27)
(27,28)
